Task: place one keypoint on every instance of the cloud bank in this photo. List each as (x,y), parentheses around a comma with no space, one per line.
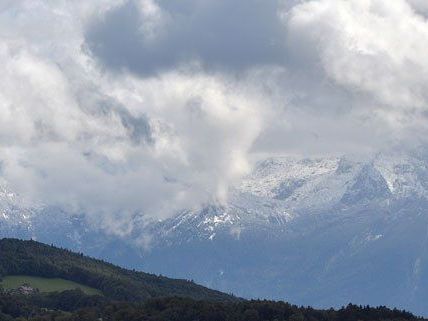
(121,109)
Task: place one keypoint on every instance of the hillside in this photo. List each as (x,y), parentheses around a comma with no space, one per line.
(36,259)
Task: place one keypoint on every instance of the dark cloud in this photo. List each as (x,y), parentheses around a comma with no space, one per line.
(223,34)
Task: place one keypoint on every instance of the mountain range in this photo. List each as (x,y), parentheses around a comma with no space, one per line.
(313,231)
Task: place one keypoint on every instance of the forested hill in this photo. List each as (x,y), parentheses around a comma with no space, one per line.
(32,258)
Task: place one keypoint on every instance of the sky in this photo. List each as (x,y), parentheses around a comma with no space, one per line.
(119,107)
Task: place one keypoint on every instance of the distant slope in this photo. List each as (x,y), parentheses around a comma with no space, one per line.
(36,259)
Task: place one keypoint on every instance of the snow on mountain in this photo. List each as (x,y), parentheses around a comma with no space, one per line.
(244,212)
(301,184)
(269,174)
(406,176)
(309,184)
(13,214)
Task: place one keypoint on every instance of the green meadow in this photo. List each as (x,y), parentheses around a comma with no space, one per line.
(44,284)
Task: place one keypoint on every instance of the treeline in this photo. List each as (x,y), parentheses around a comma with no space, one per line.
(76,306)
(36,259)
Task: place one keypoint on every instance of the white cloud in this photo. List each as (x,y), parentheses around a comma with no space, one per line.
(371,46)
(375,52)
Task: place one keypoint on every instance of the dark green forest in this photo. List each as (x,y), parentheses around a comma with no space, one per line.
(36,259)
(74,305)
(136,296)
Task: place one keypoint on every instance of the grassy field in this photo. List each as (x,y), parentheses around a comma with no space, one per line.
(45,285)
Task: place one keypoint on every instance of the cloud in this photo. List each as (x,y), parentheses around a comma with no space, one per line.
(372,47)
(201,128)
(420,6)
(358,71)
(130,109)
(111,145)
(149,37)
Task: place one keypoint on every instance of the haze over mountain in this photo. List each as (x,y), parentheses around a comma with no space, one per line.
(273,149)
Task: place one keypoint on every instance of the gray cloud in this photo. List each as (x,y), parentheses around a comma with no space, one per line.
(227,35)
(420,6)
